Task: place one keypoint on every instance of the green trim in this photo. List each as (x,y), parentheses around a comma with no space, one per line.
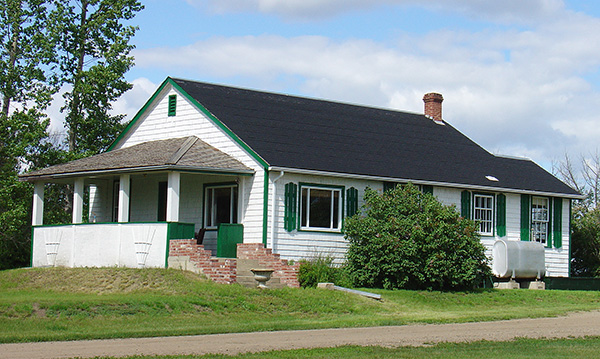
(501,215)
(525,217)
(290,206)
(465,204)
(570,246)
(172,108)
(138,115)
(342,201)
(549,235)
(557,223)
(220,124)
(266,207)
(351,201)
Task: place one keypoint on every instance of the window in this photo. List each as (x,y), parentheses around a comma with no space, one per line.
(540,219)
(321,208)
(115,198)
(162,201)
(483,211)
(220,205)
(172,105)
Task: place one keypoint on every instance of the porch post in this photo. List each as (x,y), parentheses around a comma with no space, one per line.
(78,201)
(37,218)
(173,197)
(124,192)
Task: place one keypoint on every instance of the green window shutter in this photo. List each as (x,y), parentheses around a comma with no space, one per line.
(525,217)
(465,204)
(557,228)
(550,221)
(352,201)
(172,105)
(501,215)
(427,189)
(291,205)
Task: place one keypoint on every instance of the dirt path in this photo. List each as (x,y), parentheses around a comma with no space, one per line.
(573,325)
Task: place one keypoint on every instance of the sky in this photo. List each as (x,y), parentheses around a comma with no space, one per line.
(520,78)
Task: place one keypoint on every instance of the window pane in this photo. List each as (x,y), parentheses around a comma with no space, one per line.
(539,219)
(223,205)
(336,209)
(320,208)
(304,208)
(209,207)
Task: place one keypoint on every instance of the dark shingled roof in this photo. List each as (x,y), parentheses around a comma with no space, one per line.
(186,153)
(295,132)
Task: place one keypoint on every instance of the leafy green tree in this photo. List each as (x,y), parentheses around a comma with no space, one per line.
(407,239)
(26,88)
(95,55)
(585,244)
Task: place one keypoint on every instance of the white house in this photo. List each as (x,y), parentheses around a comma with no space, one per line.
(283,172)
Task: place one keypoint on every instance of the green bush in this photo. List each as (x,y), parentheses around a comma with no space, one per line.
(322,270)
(585,241)
(407,239)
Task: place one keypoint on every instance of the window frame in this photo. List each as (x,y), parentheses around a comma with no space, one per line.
(234,216)
(340,208)
(546,221)
(492,213)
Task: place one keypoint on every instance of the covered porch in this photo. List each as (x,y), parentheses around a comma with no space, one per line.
(127,204)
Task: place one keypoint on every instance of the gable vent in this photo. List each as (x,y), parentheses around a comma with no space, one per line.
(172,105)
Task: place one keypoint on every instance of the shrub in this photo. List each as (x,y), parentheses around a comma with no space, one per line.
(407,239)
(321,270)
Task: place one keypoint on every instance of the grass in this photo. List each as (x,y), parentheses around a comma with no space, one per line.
(520,348)
(92,303)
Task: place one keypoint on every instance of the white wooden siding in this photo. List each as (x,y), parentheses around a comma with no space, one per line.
(297,244)
(557,259)
(155,124)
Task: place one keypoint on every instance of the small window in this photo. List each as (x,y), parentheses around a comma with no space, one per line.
(115,198)
(483,212)
(172,105)
(220,205)
(540,218)
(162,201)
(321,208)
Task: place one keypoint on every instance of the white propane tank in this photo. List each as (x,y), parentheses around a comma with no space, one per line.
(518,259)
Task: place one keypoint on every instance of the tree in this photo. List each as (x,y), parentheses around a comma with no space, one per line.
(407,239)
(584,177)
(26,88)
(94,57)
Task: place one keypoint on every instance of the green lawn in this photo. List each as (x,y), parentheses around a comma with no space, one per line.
(87,303)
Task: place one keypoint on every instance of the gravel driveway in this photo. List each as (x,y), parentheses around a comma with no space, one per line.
(573,325)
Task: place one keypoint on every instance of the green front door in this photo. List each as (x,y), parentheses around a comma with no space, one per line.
(228,236)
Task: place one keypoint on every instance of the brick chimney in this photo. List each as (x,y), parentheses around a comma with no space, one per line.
(433,106)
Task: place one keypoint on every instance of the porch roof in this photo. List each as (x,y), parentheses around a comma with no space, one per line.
(182,154)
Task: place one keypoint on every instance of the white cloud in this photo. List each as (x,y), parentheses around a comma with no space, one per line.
(134,99)
(518,92)
(503,11)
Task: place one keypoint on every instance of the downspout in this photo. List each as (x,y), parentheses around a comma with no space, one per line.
(273,209)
